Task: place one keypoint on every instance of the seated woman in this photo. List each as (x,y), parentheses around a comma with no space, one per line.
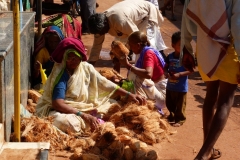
(75,90)
(148,73)
(69,25)
(47,43)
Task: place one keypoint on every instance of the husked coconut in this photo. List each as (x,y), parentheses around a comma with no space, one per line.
(124,139)
(150,105)
(119,50)
(150,124)
(106,139)
(122,130)
(147,137)
(95,150)
(151,155)
(106,127)
(114,108)
(134,145)
(128,153)
(106,153)
(141,154)
(116,118)
(77,153)
(34,95)
(110,73)
(117,149)
(133,111)
(75,143)
(89,156)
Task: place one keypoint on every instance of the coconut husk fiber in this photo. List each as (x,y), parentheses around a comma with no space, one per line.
(110,74)
(143,121)
(35,129)
(127,134)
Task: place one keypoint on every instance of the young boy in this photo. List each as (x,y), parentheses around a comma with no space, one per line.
(177,85)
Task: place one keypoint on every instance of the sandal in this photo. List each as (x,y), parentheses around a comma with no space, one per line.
(178,124)
(216,153)
(170,119)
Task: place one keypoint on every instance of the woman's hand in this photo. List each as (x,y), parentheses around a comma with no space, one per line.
(175,76)
(124,60)
(138,99)
(93,121)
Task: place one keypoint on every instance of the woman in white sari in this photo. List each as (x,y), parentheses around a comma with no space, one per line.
(75,90)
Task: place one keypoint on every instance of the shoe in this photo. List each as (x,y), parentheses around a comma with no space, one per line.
(216,153)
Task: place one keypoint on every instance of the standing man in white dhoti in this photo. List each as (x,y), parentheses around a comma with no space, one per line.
(216,25)
(120,21)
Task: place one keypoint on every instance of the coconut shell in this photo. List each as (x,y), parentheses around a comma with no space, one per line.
(31,107)
(77,153)
(151,155)
(106,139)
(116,118)
(134,145)
(141,154)
(118,49)
(124,139)
(89,156)
(77,143)
(107,73)
(150,105)
(95,150)
(34,95)
(106,153)
(128,153)
(136,120)
(117,148)
(164,124)
(122,131)
(106,127)
(148,137)
(132,112)
(150,124)
(112,109)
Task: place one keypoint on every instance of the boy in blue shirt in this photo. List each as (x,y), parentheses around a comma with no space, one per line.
(177,85)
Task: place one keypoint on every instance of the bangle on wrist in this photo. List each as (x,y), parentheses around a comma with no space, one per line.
(79,113)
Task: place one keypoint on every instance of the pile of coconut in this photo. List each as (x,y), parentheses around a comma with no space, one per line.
(128,133)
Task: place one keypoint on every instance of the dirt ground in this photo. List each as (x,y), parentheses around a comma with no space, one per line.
(185,144)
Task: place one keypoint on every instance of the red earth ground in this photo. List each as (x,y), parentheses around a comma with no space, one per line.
(185,144)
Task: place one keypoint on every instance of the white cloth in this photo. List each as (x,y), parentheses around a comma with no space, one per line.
(150,90)
(87,90)
(125,18)
(212,22)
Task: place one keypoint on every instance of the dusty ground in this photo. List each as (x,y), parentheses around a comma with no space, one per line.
(187,141)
